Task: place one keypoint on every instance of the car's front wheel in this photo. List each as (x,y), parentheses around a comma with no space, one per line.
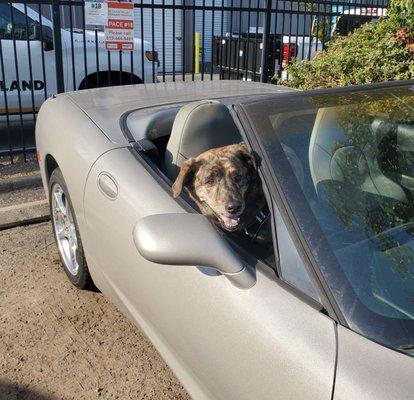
(66,232)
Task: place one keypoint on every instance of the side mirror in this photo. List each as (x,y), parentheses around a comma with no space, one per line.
(189,239)
(45,34)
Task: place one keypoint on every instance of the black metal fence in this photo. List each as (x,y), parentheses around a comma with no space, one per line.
(45,47)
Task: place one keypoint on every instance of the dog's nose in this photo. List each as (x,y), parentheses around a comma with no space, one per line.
(233,207)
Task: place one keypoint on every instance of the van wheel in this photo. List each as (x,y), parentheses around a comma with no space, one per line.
(66,232)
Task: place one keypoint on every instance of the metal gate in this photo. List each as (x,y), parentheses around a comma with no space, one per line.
(45,47)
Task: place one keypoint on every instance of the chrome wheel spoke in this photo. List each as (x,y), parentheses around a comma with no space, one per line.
(59,203)
(61,233)
(70,217)
(72,252)
(65,229)
(72,239)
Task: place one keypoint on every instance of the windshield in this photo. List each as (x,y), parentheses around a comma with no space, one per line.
(346,165)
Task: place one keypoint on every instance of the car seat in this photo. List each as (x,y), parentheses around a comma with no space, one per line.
(198,127)
(333,158)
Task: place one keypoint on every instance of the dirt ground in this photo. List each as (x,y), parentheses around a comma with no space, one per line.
(57,342)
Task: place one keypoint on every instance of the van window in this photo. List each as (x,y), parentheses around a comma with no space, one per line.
(24,27)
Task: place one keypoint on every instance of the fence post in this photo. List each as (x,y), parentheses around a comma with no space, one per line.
(264,64)
(57,45)
(197,53)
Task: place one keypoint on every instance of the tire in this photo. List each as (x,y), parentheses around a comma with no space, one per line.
(105,80)
(66,232)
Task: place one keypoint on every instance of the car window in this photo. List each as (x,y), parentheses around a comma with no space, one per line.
(256,239)
(345,163)
(14,21)
(292,267)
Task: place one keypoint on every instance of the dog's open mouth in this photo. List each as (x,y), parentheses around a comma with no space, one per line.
(230,223)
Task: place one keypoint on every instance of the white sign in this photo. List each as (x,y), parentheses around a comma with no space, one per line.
(96,13)
(119,39)
(119,29)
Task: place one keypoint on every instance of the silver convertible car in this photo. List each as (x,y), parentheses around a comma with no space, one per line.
(325,310)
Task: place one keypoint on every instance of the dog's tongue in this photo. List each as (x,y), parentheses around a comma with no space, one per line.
(231,222)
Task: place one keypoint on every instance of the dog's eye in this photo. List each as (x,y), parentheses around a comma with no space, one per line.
(210,179)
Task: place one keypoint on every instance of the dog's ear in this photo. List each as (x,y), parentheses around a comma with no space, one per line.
(186,172)
(244,154)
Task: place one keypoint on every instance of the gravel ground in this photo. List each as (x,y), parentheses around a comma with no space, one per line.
(61,343)
(19,167)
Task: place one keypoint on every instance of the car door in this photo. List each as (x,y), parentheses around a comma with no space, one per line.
(28,65)
(221,341)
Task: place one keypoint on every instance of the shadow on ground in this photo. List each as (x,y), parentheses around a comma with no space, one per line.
(14,391)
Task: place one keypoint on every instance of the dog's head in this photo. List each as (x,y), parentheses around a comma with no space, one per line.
(219,180)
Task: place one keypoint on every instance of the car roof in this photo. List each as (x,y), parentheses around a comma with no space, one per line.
(105,106)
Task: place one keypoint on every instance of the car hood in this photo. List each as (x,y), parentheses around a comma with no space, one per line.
(105,106)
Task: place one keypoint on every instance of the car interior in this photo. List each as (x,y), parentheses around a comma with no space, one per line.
(171,135)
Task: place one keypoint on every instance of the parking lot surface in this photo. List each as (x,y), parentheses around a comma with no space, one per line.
(57,342)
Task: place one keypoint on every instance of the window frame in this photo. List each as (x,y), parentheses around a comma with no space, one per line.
(327,299)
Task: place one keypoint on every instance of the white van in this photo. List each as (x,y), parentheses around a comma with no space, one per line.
(35,84)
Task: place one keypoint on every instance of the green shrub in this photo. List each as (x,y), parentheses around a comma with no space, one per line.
(372,53)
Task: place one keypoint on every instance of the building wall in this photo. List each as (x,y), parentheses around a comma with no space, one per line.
(214,25)
(163,38)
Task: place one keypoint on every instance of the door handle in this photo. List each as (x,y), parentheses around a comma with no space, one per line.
(108,185)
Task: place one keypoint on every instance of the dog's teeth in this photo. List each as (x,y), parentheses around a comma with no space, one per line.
(231,222)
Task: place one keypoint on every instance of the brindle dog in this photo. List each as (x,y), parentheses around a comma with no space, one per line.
(225,185)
